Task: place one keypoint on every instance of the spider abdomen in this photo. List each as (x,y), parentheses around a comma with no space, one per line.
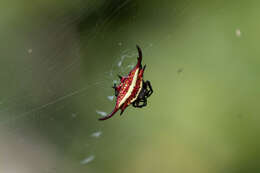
(132,89)
(128,88)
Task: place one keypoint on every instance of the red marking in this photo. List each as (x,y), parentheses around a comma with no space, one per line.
(124,85)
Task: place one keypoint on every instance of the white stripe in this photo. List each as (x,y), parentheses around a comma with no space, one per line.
(141,85)
(131,88)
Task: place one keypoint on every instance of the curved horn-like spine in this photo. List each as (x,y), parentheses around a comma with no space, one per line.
(140,55)
(110,115)
(120,77)
(123,108)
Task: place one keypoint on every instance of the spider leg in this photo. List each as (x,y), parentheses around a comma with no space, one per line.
(116,92)
(120,77)
(122,111)
(136,104)
(150,88)
(143,105)
(144,102)
(123,108)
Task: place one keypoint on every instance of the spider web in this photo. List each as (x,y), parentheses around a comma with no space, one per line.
(60,83)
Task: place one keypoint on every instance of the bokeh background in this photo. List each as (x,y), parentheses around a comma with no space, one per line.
(59,59)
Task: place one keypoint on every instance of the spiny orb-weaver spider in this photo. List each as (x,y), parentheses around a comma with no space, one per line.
(132,89)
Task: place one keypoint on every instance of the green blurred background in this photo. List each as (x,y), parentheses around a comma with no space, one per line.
(58,61)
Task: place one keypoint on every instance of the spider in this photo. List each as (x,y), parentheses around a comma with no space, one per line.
(132,89)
